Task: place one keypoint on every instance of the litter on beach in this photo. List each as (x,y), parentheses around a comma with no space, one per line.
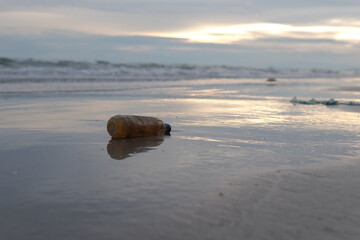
(128,126)
(331,101)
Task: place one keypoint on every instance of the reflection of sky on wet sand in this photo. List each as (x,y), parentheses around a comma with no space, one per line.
(267,122)
(80,116)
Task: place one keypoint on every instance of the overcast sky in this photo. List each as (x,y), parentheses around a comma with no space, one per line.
(259,33)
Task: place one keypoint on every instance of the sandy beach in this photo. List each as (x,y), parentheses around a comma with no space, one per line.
(262,99)
(242,162)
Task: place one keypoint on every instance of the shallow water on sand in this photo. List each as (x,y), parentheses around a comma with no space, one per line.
(61,176)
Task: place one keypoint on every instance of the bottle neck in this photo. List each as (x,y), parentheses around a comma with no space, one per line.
(168,129)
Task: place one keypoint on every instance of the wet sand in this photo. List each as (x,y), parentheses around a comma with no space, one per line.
(239,168)
(316,203)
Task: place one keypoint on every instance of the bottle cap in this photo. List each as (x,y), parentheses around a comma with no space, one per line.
(168,128)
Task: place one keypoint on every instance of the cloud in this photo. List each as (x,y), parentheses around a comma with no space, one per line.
(66,19)
(115,24)
(276,52)
(135,48)
(259,32)
(238,33)
(115,17)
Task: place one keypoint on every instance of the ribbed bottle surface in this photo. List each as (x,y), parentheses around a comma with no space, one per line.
(128,126)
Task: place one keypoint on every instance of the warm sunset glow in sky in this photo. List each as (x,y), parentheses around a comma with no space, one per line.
(236,33)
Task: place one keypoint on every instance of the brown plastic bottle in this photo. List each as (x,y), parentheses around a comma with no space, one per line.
(128,126)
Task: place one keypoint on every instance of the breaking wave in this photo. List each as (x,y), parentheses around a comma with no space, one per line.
(30,70)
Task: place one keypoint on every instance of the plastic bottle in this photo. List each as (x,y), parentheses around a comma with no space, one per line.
(127,126)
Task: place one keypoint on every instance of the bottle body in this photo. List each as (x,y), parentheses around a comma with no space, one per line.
(128,126)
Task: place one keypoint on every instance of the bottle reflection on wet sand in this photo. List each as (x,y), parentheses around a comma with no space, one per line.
(119,149)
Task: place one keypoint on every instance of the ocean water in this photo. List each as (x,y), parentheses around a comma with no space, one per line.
(49,78)
(63,177)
